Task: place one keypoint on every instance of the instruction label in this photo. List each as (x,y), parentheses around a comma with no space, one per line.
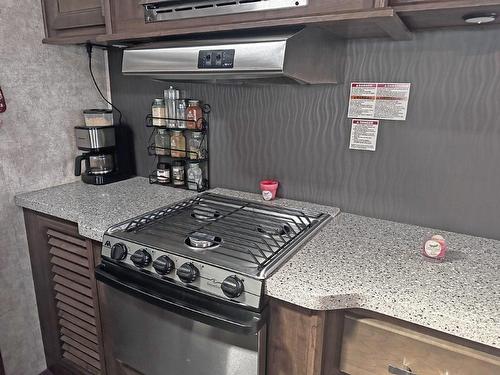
(383,101)
(364,135)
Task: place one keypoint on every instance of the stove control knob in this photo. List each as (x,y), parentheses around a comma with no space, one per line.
(163,265)
(232,287)
(141,258)
(118,251)
(188,272)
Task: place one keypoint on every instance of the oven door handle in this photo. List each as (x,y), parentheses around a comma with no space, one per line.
(234,318)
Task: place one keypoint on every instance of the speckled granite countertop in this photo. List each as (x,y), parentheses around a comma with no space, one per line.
(360,262)
(96,208)
(353,262)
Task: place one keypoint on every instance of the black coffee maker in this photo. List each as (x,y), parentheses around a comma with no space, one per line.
(99,144)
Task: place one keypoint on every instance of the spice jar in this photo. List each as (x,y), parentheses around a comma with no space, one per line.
(158,112)
(163,173)
(178,173)
(181,113)
(171,95)
(178,144)
(194,115)
(194,176)
(162,142)
(197,146)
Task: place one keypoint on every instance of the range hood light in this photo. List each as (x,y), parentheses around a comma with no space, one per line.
(480,18)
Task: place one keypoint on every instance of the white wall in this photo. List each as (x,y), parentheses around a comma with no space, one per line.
(46,89)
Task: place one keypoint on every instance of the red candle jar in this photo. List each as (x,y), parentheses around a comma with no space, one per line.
(269,188)
(434,248)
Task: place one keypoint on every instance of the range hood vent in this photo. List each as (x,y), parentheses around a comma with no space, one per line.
(165,10)
(309,55)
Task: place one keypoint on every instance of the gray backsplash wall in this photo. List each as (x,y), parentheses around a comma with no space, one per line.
(440,168)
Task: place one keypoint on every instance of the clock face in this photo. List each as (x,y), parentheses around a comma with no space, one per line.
(432,248)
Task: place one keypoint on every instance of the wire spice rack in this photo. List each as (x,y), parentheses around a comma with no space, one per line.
(170,154)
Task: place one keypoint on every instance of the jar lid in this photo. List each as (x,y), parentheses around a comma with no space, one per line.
(159,101)
(96,111)
(177,131)
(194,102)
(163,165)
(178,163)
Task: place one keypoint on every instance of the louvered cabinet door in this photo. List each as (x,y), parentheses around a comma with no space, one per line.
(63,272)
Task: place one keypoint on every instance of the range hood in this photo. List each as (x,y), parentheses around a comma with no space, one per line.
(308,55)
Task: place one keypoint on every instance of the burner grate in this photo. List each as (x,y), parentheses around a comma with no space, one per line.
(241,231)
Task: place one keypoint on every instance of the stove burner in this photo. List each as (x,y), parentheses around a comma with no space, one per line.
(280,230)
(206,214)
(202,241)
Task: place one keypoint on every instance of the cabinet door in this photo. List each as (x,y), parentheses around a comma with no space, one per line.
(127,16)
(371,346)
(73,20)
(62,263)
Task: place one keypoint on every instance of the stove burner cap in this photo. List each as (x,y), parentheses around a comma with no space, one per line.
(202,241)
(280,230)
(205,214)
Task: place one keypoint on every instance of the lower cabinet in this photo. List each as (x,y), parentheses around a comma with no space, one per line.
(299,341)
(62,263)
(308,342)
(372,346)
(302,341)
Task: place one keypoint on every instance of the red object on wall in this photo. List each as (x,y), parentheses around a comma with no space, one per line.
(3,105)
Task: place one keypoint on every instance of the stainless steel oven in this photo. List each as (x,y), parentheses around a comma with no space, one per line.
(183,285)
(167,331)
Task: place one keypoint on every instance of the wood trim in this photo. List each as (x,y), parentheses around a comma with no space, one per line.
(332,344)
(373,14)
(106,10)
(295,340)
(95,253)
(438,5)
(70,40)
(395,28)
(380,3)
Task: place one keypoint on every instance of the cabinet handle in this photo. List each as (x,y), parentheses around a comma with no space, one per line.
(397,371)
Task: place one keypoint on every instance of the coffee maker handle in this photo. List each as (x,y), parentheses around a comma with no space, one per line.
(78,164)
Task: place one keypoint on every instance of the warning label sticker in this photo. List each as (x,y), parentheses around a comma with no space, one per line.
(383,101)
(364,135)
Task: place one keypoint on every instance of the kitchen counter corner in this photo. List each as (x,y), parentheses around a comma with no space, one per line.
(95,208)
(376,265)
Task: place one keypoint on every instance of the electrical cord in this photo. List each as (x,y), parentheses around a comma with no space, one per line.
(89,53)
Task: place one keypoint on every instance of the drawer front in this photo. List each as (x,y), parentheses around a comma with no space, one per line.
(371,347)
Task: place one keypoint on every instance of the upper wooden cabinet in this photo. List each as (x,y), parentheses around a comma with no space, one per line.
(72,21)
(118,21)
(125,20)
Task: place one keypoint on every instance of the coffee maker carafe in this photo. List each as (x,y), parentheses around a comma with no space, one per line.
(99,143)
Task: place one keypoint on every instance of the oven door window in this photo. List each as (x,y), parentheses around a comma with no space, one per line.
(142,338)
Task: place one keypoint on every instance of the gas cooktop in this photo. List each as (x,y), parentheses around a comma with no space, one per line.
(212,243)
